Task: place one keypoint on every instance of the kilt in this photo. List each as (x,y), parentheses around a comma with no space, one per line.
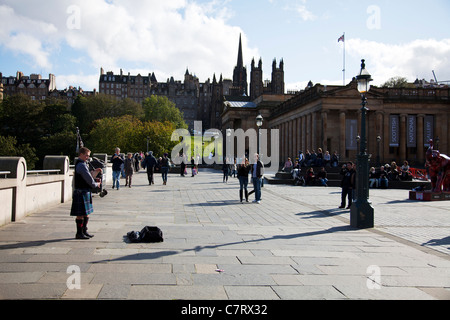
(81,203)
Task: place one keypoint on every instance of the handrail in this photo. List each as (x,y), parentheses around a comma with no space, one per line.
(5,173)
(48,172)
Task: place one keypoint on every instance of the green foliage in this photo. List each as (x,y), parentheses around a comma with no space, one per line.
(34,129)
(89,109)
(161,109)
(10,148)
(130,135)
(396,82)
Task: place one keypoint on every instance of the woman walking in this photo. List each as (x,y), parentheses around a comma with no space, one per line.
(242,174)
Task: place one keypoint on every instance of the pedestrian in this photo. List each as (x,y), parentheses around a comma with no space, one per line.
(117,162)
(226,171)
(129,163)
(137,161)
(149,163)
(242,174)
(183,165)
(165,164)
(347,184)
(257,171)
(84,182)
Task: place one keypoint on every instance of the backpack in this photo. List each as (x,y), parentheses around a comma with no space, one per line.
(147,235)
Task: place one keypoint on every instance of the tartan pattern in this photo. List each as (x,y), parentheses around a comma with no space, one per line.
(81,203)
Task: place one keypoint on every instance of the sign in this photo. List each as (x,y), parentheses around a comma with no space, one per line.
(351,131)
(411,132)
(428,130)
(394,128)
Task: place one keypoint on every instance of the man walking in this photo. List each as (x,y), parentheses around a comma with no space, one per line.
(150,164)
(117,162)
(257,171)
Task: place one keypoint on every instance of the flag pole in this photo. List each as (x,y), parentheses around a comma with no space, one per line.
(344,61)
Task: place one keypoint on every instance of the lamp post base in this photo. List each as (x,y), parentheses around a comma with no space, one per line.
(362,215)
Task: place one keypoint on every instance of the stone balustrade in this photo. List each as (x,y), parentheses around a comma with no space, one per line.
(25,192)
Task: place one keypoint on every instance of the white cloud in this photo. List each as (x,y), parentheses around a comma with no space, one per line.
(410,60)
(143,34)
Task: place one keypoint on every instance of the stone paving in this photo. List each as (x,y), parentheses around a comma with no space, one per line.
(295,245)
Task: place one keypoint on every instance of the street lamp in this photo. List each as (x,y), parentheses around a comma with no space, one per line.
(362,212)
(259,123)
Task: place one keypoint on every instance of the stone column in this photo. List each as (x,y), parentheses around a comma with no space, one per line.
(324,130)
(342,146)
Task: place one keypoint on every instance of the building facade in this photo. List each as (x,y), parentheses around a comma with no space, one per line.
(34,85)
(400,122)
(190,96)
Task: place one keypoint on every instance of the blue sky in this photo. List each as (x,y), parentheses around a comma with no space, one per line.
(73,39)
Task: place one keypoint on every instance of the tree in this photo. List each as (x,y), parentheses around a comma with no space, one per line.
(161,109)
(396,82)
(10,148)
(92,108)
(130,135)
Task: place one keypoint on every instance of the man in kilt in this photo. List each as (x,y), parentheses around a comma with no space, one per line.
(82,197)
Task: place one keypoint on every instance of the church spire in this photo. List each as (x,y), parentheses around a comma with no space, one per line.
(240,60)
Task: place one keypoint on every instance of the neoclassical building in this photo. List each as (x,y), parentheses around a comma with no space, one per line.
(400,122)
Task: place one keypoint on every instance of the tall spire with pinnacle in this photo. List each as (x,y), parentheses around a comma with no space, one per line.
(240,74)
(240,60)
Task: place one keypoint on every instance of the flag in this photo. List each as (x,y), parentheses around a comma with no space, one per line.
(342,38)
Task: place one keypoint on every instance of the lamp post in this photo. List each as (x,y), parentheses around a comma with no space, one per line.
(259,123)
(362,212)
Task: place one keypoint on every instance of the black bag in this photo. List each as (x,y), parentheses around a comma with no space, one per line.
(151,235)
(147,235)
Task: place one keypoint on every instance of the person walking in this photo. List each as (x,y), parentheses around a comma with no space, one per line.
(164,167)
(129,163)
(150,164)
(242,174)
(257,171)
(347,184)
(226,171)
(117,162)
(84,182)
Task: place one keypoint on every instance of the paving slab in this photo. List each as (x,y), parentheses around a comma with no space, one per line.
(295,245)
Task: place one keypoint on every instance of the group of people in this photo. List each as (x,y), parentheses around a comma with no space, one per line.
(127,166)
(389,172)
(319,159)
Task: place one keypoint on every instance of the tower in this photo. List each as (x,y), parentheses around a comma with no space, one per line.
(240,85)
(277,77)
(256,80)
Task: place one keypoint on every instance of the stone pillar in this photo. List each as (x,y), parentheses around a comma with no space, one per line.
(379,132)
(324,130)
(342,146)
(18,177)
(61,163)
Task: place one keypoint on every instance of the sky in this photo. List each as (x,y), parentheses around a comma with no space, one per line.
(73,39)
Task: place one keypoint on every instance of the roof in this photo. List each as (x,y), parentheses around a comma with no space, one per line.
(241,104)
